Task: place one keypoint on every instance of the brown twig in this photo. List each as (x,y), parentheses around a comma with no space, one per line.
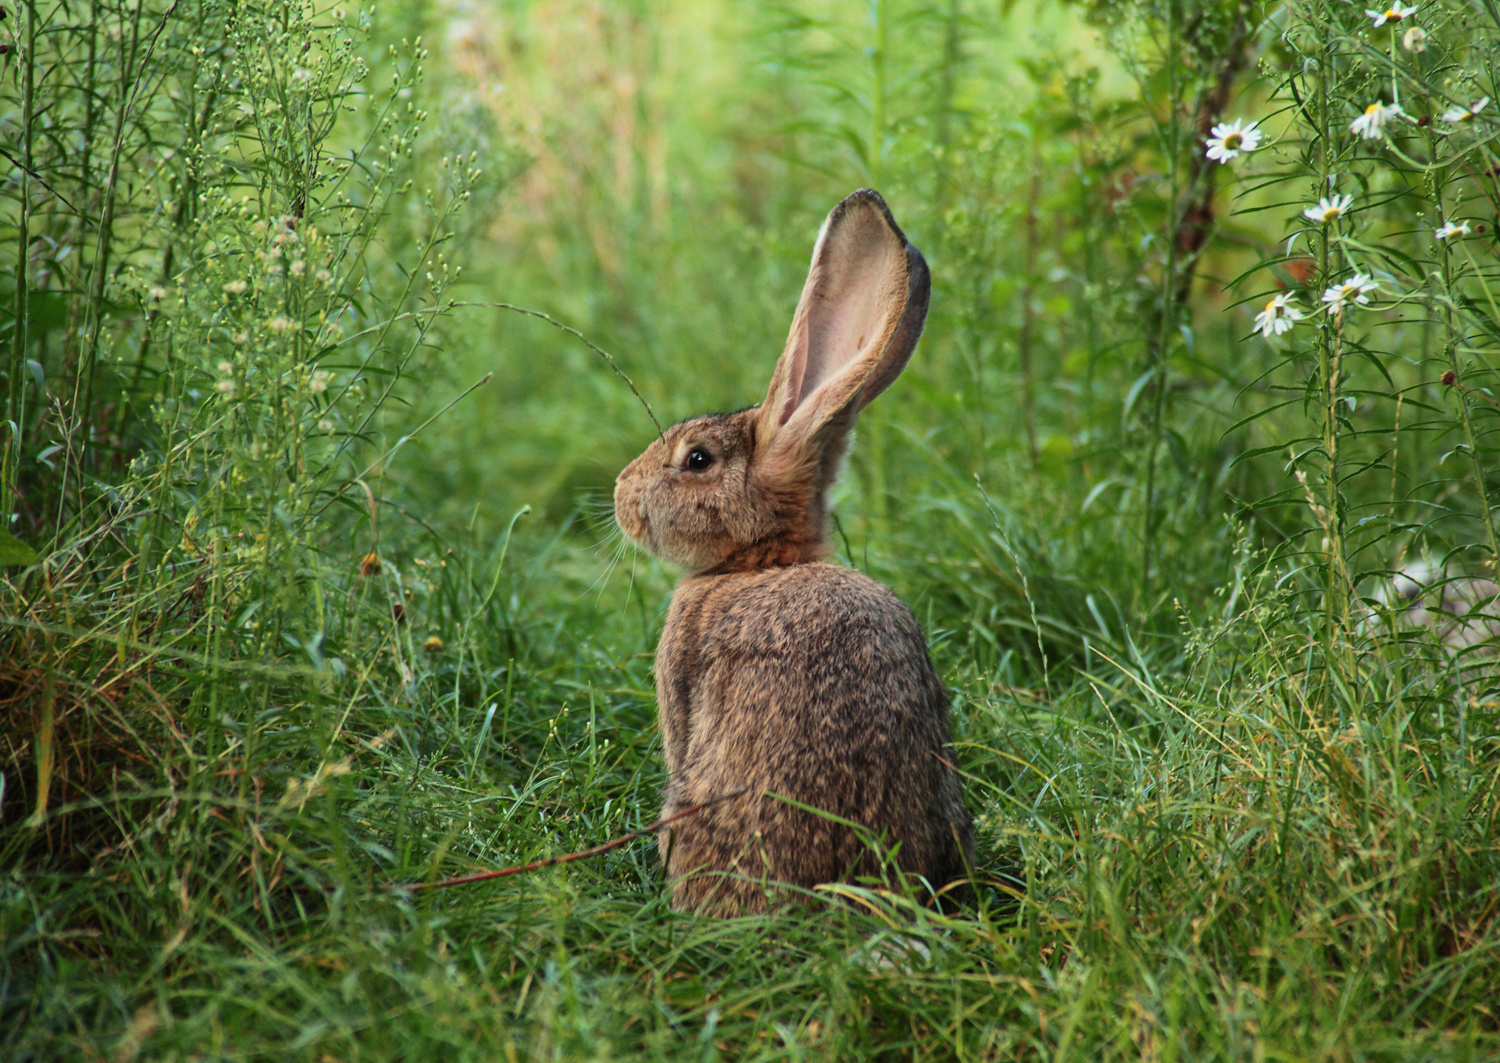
(1451,379)
(598,850)
(590,344)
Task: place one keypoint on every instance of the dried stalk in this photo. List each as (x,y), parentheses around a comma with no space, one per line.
(598,850)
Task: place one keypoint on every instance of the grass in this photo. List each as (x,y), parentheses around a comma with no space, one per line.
(1206,873)
(348,615)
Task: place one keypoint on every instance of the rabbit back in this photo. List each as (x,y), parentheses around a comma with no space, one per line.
(809,682)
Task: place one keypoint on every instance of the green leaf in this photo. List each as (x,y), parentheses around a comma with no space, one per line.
(13,551)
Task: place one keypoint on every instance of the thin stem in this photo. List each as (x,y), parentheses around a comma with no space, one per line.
(83,380)
(878,58)
(947,89)
(598,850)
(1166,313)
(1028,302)
(131,81)
(10,466)
(1330,353)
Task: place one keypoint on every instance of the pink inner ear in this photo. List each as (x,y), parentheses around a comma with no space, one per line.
(852,296)
(798,368)
(852,303)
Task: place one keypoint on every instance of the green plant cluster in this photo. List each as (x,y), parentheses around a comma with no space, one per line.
(324,331)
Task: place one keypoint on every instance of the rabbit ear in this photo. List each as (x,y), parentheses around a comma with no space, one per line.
(861,312)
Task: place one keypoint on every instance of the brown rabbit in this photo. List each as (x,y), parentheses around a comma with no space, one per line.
(777,670)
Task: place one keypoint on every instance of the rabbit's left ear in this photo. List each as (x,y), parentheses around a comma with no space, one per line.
(859,318)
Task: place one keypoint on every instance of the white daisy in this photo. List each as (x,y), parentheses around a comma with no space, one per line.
(1231,138)
(1414,39)
(1277,317)
(1371,124)
(1328,209)
(1448,230)
(1394,13)
(1466,114)
(1356,289)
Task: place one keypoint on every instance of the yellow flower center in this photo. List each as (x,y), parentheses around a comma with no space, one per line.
(1273,308)
(1393,15)
(1374,108)
(1233,140)
(1331,213)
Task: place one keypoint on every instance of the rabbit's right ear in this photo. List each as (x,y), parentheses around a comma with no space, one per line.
(859,318)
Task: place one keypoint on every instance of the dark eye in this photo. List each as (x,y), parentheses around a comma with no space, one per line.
(697,460)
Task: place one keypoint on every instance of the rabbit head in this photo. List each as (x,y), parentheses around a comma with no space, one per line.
(746,490)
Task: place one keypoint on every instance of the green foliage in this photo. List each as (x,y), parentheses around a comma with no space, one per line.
(309,592)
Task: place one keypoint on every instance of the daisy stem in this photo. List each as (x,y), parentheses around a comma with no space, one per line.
(1329,348)
(1395,88)
(1336,540)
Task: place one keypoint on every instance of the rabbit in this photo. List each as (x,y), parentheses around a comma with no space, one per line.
(779,671)
(1464,611)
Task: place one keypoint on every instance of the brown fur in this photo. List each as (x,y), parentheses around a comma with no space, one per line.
(777,671)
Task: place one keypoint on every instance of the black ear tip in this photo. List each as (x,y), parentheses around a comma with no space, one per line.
(867,197)
(918,276)
(918,288)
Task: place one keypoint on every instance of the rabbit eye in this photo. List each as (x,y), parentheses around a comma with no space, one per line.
(697,460)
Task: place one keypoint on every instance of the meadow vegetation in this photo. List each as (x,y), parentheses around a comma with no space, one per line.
(309,588)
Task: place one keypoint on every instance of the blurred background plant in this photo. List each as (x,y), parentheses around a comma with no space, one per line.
(309,585)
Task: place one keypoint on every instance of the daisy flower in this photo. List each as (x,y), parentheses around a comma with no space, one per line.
(1394,13)
(1356,289)
(1328,209)
(1448,230)
(1414,39)
(1277,317)
(1466,114)
(1371,124)
(1231,138)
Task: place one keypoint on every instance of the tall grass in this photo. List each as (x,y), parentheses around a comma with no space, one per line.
(305,598)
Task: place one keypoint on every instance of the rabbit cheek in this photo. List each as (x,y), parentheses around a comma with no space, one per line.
(689,529)
(630,513)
